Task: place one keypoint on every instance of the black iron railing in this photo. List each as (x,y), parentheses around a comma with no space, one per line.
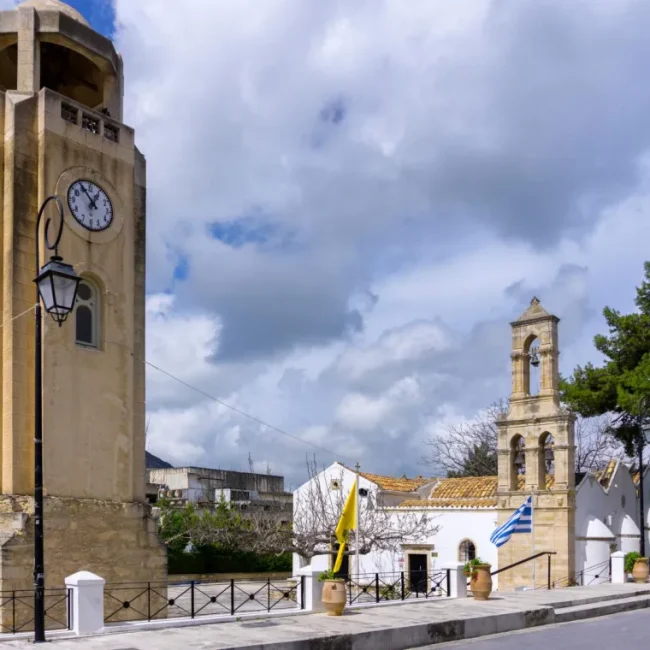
(548,555)
(155,600)
(17,610)
(384,587)
(596,574)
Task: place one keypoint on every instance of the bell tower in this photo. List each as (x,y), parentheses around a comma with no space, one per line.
(61,87)
(536,454)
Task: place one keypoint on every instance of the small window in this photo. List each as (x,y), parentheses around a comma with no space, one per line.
(87,316)
(69,113)
(466,551)
(89,123)
(335,485)
(111,132)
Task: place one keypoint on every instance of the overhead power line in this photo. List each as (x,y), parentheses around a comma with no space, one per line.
(200,391)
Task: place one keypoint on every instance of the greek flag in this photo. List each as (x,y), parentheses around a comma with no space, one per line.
(520,522)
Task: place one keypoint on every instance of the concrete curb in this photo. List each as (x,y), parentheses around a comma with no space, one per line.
(413,636)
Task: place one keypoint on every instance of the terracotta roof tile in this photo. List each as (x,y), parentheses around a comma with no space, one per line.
(467,492)
(604,476)
(393,484)
(450,503)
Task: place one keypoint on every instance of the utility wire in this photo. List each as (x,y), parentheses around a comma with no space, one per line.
(18,316)
(228,406)
(202,392)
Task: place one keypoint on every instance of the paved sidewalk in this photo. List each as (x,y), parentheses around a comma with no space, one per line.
(391,626)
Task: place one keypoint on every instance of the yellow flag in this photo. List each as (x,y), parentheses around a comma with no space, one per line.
(346,523)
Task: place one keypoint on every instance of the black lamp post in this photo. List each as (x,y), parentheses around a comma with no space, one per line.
(644,435)
(56,286)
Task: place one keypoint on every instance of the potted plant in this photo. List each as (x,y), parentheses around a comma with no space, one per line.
(333,595)
(478,573)
(637,566)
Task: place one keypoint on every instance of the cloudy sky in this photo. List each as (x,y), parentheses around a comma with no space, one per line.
(350,200)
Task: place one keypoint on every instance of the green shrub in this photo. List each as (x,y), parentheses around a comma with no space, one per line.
(212,559)
(629,560)
(470,567)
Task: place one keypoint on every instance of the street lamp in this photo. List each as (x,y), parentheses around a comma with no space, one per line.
(644,439)
(56,286)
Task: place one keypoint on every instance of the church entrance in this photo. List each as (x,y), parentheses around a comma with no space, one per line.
(417,572)
(344,571)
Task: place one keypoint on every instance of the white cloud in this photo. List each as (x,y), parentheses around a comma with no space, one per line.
(364,194)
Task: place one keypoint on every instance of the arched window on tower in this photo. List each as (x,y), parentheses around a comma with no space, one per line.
(87,315)
(466,551)
(546,458)
(532,372)
(517,461)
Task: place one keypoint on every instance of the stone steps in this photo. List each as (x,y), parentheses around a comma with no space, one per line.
(603,607)
(583,600)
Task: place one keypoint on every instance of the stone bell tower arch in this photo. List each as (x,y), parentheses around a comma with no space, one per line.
(536,449)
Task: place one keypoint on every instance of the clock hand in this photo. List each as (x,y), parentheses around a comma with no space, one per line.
(90,198)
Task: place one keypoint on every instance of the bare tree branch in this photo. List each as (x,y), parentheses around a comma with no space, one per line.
(469,449)
(316,512)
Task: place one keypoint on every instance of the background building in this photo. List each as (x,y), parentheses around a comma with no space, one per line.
(205,487)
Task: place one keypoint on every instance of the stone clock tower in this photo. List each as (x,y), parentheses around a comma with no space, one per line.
(536,454)
(61,90)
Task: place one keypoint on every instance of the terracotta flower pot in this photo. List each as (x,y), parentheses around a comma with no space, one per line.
(481,582)
(640,570)
(334,597)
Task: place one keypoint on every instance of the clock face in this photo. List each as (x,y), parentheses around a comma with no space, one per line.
(90,205)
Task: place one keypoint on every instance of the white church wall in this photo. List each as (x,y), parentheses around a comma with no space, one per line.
(337,480)
(605,522)
(454,526)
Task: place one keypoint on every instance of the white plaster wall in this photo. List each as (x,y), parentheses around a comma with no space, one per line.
(346,479)
(611,507)
(595,556)
(454,526)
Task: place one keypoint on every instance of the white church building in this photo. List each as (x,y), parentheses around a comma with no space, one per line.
(581,518)
(465,515)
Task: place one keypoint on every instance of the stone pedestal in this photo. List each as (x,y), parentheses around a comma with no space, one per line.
(457,579)
(87,606)
(312,590)
(619,576)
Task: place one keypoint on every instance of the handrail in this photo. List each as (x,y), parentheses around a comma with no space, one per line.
(581,575)
(528,559)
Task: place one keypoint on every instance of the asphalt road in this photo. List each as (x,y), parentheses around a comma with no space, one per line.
(629,630)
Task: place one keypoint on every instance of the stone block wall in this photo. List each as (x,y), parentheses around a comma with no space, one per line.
(117,541)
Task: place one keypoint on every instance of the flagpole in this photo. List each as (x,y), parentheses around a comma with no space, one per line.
(532,534)
(356,523)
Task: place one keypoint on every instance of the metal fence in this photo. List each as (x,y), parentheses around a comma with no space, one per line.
(152,600)
(375,588)
(593,575)
(17,610)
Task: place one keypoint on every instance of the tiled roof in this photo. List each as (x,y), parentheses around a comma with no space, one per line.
(392,484)
(467,492)
(474,487)
(449,503)
(604,476)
